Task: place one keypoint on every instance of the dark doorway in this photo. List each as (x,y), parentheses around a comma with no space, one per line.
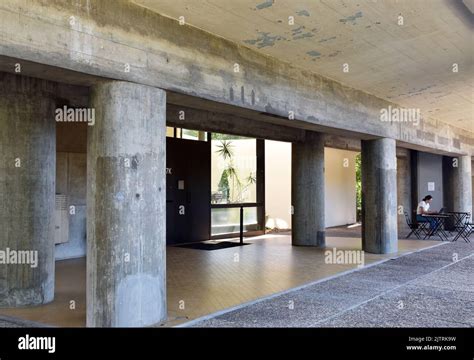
(188,190)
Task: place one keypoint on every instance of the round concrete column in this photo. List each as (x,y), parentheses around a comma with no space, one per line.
(307,191)
(27,191)
(463,184)
(404,187)
(379,196)
(458,183)
(126,206)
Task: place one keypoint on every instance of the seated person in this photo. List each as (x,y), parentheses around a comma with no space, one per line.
(424,208)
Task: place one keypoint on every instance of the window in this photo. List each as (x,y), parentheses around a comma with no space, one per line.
(227,220)
(186,134)
(234,169)
(169,131)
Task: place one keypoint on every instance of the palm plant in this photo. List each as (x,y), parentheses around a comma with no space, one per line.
(230,184)
(236,183)
(225,149)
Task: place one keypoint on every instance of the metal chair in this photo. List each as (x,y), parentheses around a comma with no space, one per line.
(413,226)
(466,230)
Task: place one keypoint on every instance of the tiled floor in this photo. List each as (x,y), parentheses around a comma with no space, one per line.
(202,282)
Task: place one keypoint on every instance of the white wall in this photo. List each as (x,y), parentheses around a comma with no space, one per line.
(71,180)
(340,185)
(278,184)
(340,177)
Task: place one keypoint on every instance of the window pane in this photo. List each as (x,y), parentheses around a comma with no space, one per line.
(169,131)
(194,135)
(234,169)
(225,221)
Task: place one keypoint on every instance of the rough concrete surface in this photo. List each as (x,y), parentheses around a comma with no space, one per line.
(307,191)
(154,50)
(126,197)
(379,196)
(27,185)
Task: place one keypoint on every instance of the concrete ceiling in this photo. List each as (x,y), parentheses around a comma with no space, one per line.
(409,64)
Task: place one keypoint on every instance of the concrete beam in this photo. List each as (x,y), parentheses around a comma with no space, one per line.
(135,44)
(27,190)
(379,196)
(196,119)
(307,191)
(126,197)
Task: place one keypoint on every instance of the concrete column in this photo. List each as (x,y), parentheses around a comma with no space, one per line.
(458,183)
(307,191)
(27,191)
(379,196)
(472,188)
(126,206)
(404,196)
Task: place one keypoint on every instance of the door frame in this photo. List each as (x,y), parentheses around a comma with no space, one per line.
(260,204)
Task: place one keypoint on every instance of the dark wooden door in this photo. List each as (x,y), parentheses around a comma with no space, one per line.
(188,188)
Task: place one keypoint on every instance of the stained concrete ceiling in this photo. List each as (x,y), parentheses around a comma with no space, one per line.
(409,64)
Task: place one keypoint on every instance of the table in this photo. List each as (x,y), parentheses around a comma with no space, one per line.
(460,225)
(438,228)
(458,217)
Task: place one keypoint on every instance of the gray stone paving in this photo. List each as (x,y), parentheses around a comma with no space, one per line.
(429,288)
(12,322)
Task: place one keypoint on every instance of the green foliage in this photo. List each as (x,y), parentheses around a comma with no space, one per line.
(230,184)
(236,188)
(223,185)
(358,184)
(217,136)
(225,149)
(193,133)
(251,179)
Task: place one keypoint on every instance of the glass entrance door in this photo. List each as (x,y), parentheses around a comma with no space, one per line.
(237,181)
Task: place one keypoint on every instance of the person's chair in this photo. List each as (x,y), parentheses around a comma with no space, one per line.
(415,229)
(466,230)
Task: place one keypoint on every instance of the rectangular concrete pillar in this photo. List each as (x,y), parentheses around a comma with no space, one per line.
(307,191)
(379,196)
(458,183)
(126,204)
(27,190)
